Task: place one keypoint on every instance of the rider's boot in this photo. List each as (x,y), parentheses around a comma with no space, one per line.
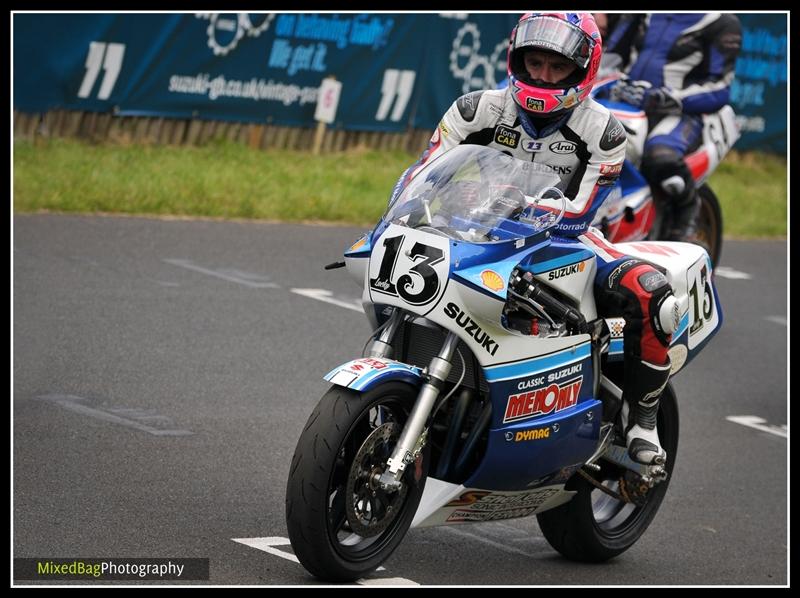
(644,383)
(686,206)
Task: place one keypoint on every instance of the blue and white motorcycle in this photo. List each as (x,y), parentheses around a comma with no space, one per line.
(491,388)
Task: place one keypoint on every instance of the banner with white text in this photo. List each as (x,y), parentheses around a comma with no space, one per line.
(398,71)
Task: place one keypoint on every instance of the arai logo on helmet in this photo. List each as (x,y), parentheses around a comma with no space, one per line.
(534,104)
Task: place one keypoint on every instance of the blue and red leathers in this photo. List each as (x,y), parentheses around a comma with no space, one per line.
(689,62)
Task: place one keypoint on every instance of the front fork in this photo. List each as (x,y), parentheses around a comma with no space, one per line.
(382,346)
(413,437)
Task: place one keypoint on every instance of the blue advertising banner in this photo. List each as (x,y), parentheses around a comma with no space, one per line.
(466,53)
(398,71)
(238,66)
(759,92)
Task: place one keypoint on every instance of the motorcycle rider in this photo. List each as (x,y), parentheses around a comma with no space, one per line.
(546,116)
(676,68)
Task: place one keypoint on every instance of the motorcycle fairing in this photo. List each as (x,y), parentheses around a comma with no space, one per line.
(526,367)
(443,503)
(569,268)
(544,418)
(557,255)
(630,211)
(514,364)
(490,269)
(408,268)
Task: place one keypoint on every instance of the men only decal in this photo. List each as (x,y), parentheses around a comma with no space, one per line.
(543,401)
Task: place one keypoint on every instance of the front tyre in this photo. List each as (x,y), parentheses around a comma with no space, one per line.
(341,524)
(595,527)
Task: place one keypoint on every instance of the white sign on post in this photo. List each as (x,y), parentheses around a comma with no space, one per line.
(328,100)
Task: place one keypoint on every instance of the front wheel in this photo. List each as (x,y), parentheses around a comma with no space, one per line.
(341,524)
(594,526)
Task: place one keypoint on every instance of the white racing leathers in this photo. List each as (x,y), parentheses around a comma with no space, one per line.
(585,148)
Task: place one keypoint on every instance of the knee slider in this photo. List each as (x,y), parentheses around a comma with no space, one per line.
(669,316)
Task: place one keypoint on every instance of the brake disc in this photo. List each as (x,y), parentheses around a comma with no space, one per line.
(370,510)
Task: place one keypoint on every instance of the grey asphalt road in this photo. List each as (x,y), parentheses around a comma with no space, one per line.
(163,370)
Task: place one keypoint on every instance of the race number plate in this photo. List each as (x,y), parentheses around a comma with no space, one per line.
(409,268)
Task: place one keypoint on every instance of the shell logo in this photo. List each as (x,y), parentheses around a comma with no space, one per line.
(492,280)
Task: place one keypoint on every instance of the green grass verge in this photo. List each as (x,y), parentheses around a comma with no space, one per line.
(229,180)
(752,189)
(222,179)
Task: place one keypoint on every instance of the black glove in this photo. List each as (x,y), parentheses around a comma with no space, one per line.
(644,96)
(661,101)
(628,91)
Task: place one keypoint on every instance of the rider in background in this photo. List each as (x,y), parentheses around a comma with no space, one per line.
(676,68)
(546,116)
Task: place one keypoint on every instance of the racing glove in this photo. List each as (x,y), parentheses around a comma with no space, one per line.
(644,96)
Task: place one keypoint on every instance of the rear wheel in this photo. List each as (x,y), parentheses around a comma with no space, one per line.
(708,223)
(341,524)
(594,526)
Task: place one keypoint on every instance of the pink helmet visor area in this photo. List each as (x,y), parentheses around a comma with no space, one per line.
(553,34)
(572,35)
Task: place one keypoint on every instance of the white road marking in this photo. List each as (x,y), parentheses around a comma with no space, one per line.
(777,319)
(387,581)
(269,543)
(753,421)
(727,272)
(326,296)
(73,403)
(497,545)
(255,281)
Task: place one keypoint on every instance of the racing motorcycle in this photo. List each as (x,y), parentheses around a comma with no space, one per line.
(634,211)
(490,388)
